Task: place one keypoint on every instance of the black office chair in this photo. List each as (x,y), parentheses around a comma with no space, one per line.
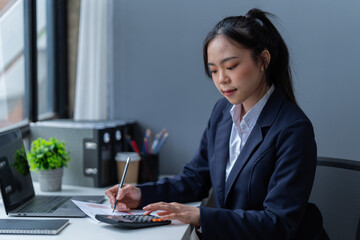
(336,192)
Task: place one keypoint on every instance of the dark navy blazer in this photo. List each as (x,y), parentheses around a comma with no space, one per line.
(267,191)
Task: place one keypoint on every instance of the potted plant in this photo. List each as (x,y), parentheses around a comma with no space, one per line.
(48,158)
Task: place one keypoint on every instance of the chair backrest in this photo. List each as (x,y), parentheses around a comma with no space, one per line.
(336,192)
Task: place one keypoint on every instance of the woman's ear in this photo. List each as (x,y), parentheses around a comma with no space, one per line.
(265,58)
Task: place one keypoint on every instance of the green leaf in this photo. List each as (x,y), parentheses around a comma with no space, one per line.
(45,155)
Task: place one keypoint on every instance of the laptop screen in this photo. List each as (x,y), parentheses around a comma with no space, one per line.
(15,179)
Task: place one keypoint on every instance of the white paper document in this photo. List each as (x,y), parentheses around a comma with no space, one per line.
(91,209)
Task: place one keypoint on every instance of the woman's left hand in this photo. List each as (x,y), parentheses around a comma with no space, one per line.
(184,213)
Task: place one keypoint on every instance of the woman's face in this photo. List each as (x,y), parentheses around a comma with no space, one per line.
(235,73)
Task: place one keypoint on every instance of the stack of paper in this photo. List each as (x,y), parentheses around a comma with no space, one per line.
(91,209)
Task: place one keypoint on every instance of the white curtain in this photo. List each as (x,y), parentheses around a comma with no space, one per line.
(91,93)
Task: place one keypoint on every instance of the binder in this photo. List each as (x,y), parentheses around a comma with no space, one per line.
(30,226)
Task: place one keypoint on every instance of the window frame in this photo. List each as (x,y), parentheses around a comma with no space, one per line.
(57,56)
(57,69)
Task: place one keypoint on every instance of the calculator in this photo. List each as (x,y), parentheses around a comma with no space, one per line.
(132,221)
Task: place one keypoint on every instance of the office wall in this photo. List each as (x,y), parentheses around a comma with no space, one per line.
(159,76)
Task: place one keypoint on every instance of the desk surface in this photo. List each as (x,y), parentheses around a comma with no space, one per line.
(86,228)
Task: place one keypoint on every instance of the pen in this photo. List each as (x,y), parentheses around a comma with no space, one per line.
(146,146)
(162,140)
(157,139)
(149,139)
(132,143)
(122,181)
(135,147)
(128,140)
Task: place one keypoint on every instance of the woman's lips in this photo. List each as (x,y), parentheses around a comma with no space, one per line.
(229,92)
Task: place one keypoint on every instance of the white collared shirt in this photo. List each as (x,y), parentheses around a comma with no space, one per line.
(241,129)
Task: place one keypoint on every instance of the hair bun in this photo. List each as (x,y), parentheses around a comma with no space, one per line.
(255,13)
(259,16)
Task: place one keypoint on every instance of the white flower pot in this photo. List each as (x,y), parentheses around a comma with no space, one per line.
(50,180)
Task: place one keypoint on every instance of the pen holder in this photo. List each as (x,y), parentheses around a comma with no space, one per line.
(133,169)
(149,168)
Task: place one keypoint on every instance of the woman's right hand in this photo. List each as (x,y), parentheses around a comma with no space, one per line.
(128,197)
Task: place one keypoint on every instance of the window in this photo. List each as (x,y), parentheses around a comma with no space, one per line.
(44,81)
(12,64)
(32,61)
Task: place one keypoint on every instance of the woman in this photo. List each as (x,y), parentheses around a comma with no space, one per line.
(258,151)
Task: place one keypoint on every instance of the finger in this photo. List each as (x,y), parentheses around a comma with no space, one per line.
(121,207)
(163,213)
(121,194)
(147,212)
(170,216)
(150,208)
(111,197)
(113,188)
(124,191)
(111,192)
(169,207)
(159,206)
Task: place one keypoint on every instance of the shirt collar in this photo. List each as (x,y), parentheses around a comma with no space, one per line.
(253,114)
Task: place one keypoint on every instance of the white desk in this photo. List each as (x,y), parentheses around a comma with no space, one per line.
(86,228)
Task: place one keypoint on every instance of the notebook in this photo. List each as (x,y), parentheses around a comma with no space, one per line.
(26,226)
(17,188)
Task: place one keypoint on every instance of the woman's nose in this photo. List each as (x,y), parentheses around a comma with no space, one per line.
(223,78)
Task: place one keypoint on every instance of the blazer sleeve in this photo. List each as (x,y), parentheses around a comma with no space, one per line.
(287,195)
(192,184)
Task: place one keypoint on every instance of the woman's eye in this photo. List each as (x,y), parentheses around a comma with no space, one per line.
(212,71)
(232,67)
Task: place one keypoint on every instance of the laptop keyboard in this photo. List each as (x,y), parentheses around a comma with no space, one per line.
(43,204)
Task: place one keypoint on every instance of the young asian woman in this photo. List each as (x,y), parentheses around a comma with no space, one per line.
(257,153)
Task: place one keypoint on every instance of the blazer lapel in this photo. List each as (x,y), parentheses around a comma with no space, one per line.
(255,138)
(221,154)
(252,142)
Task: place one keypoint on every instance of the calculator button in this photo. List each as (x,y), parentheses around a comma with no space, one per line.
(133,221)
(157,220)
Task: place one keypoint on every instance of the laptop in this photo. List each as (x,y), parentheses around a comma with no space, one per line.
(17,187)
